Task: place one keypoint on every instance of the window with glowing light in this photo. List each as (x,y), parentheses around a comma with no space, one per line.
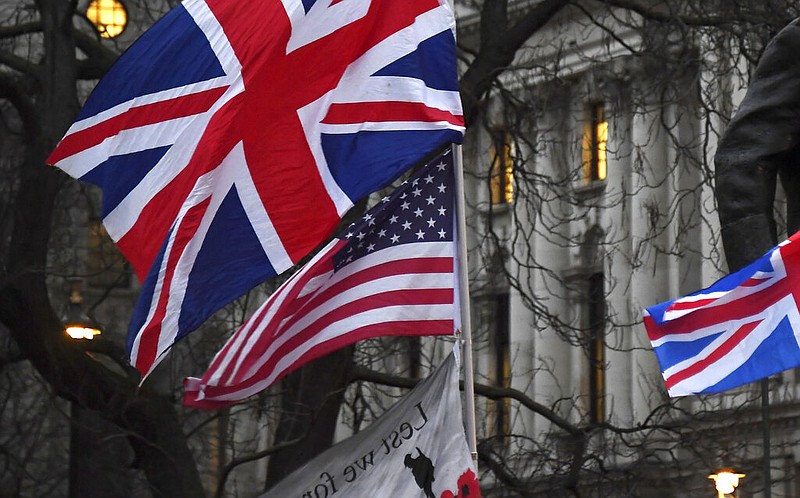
(109,17)
(595,141)
(501,179)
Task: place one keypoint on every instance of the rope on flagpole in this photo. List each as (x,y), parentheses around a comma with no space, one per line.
(463,291)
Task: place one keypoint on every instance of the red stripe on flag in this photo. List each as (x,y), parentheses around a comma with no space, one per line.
(150,335)
(381,112)
(716,355)
(283,301)
(142,242)
(135,117)
(334,311)
(739,309)
(406,297)
(242,365)
(652,328)
(686,305)
(416,266)
(753,282)
(291,310)
(408,328)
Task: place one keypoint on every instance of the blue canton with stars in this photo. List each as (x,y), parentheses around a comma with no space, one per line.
(419,210)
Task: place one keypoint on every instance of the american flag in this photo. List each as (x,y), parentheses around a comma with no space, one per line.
(743,328)
(214,134)
(391,273)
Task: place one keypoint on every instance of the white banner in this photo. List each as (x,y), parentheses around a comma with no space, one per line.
(416,449)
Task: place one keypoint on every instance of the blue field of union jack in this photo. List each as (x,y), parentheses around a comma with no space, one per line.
(743,328)
(232,136)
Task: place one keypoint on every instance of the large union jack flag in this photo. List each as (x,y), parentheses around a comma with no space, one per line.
(743,328)
(232,136)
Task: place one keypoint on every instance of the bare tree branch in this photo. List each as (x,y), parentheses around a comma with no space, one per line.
(15,30)
(19,64)
(498,45)
(253,457)
(100,58)
(703,14)
(491,392)
(12,90)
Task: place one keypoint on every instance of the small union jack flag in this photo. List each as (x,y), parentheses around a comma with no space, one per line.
(743,328)
(232,136)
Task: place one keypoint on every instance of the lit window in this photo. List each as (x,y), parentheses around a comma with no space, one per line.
(501,181)
(108,16)
(595,140)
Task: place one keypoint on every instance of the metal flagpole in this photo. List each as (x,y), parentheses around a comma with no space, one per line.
(463,292)
(766,459)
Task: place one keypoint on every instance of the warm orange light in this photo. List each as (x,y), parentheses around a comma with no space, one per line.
(78,332)
(595,144)
(602,143)
(77,324)
(726,481)
(108,16)
(502,169)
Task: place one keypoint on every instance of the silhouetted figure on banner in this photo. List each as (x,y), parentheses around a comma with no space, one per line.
(760,145)
(422,469)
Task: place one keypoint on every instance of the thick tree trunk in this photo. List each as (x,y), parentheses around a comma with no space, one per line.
(310,407)
(149,419)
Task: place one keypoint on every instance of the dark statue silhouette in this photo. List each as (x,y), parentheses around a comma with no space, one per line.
(422,469)
(760,145)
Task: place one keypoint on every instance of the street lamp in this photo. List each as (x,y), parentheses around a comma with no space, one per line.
(79,326)
(77,323)
(726,481)
(109,17)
